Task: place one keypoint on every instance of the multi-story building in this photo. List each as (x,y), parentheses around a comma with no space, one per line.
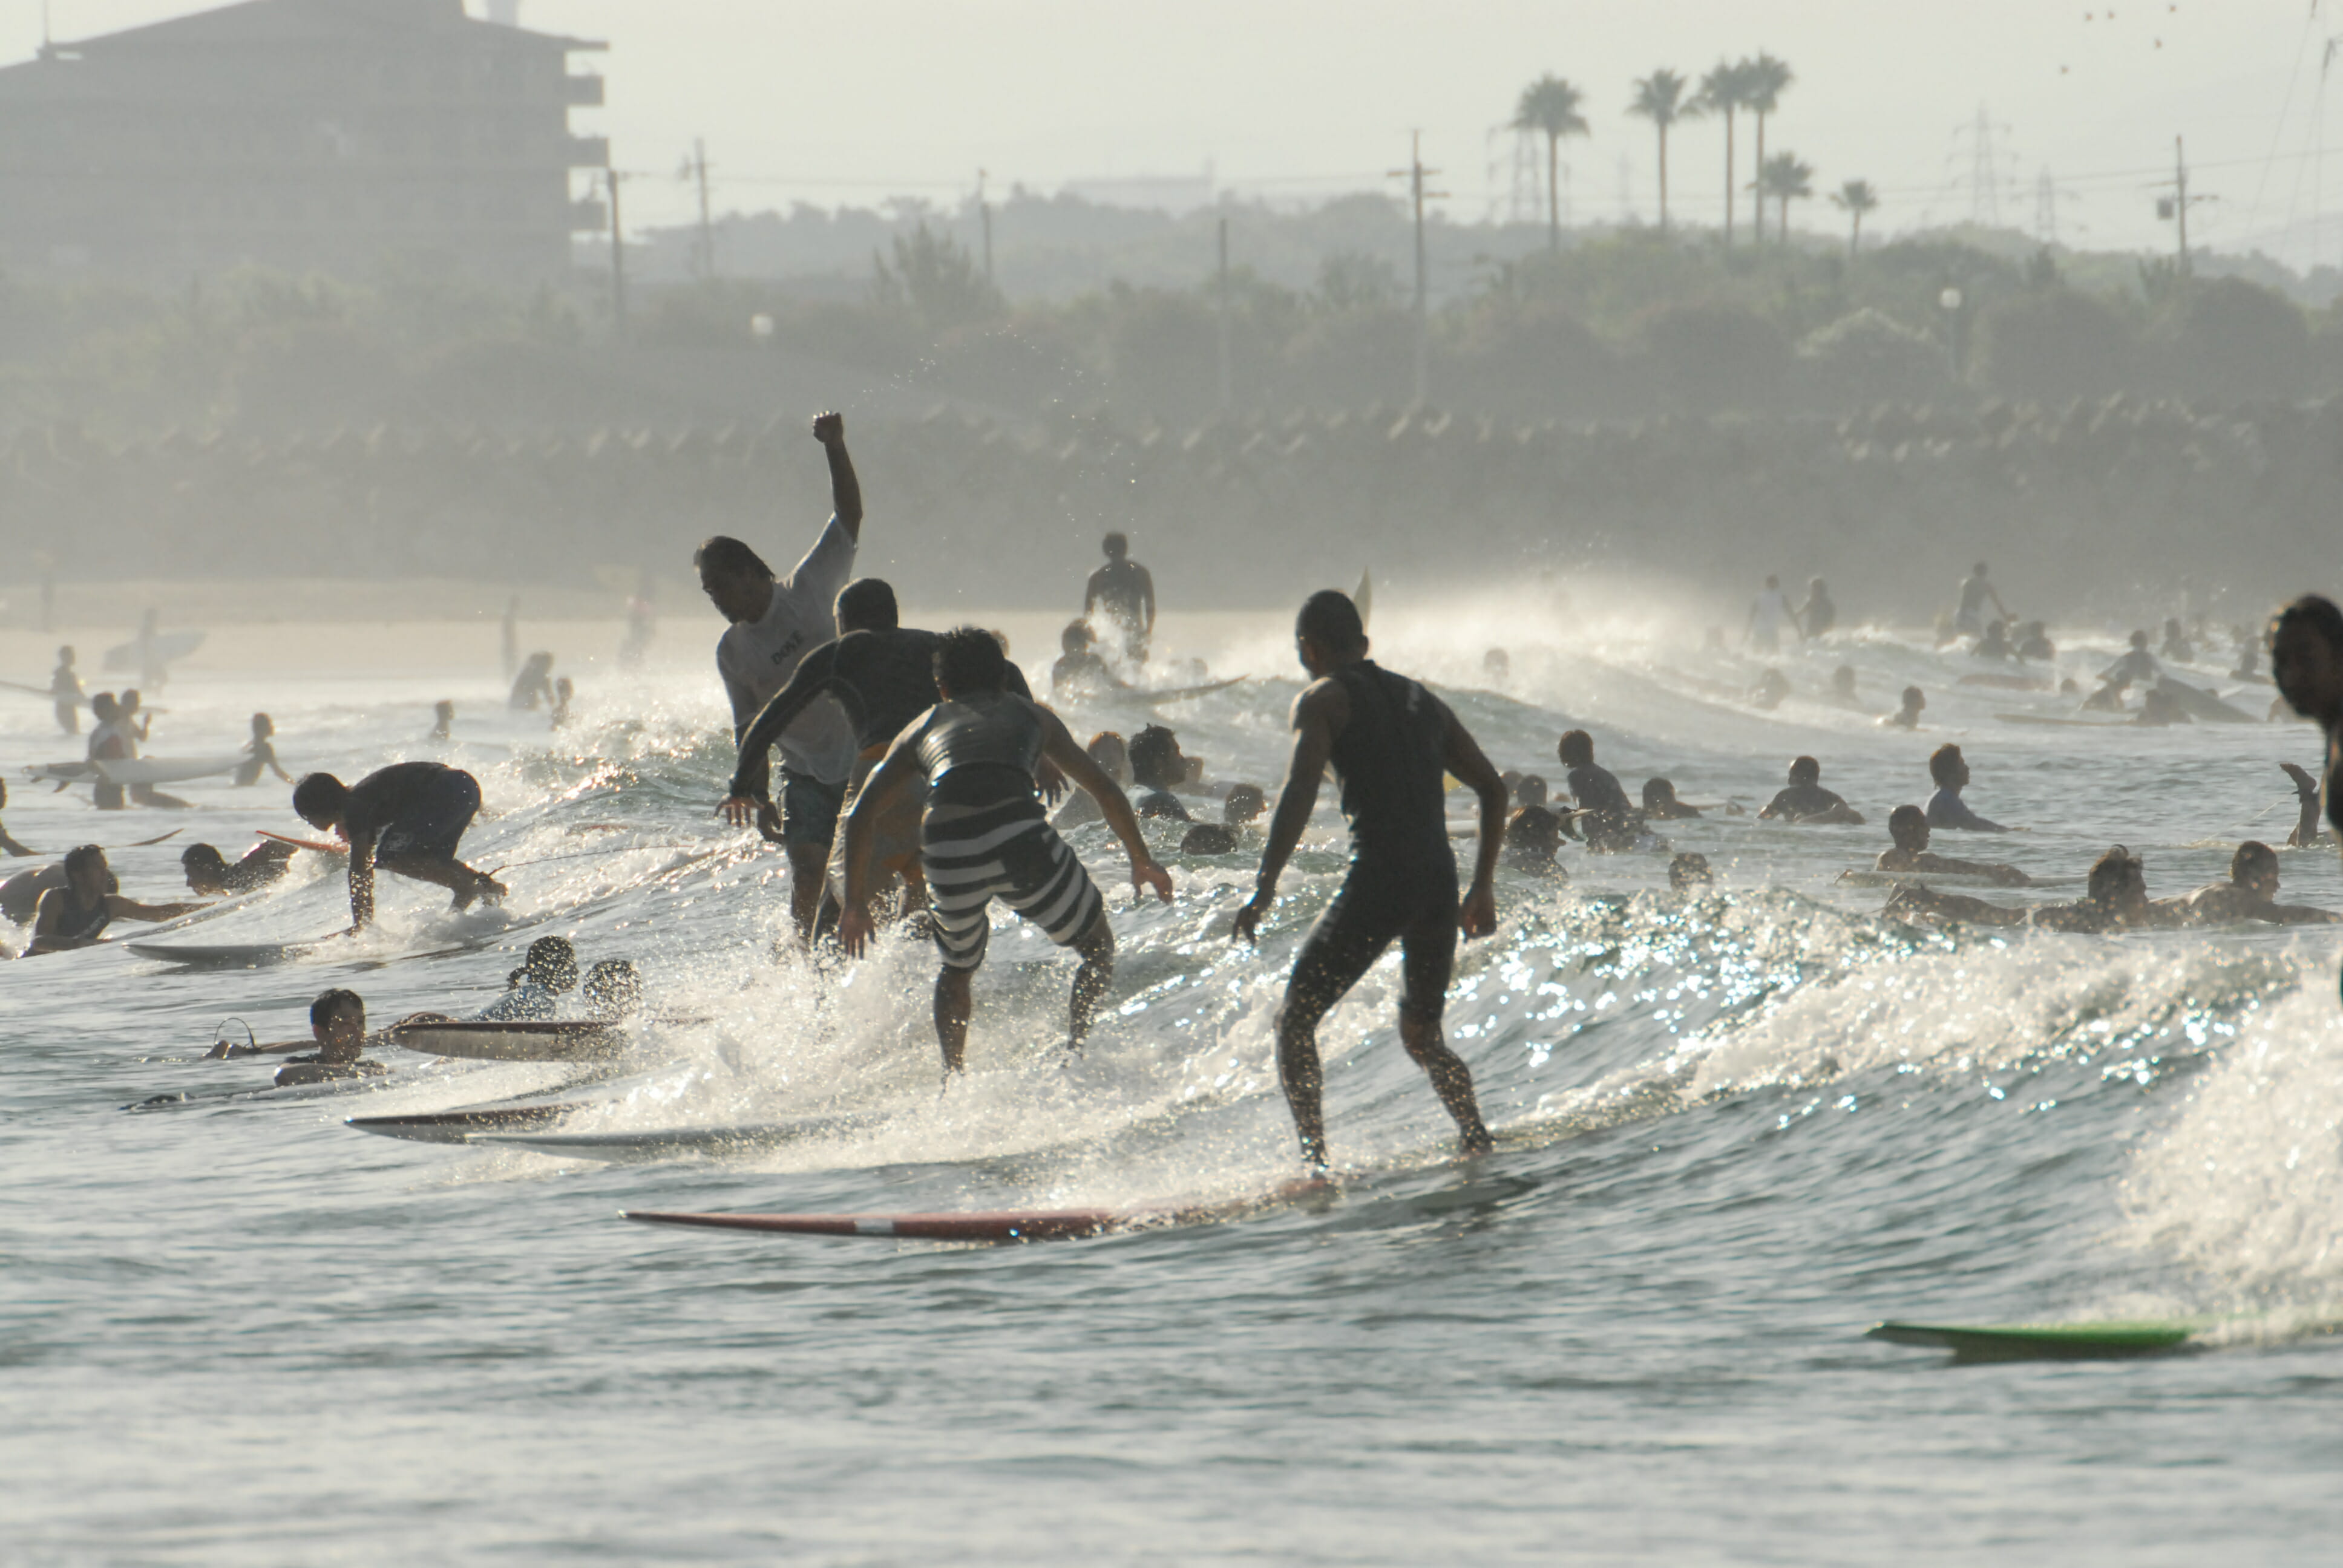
(335,135)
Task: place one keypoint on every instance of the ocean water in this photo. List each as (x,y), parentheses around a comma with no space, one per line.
(1737,1130)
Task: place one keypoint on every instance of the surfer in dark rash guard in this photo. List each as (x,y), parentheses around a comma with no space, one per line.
(1389,740)
(1121,594)
(208,872)
(1806,801)
(776,621)
(982,835)
(408,818)
(77,914)
(883,674)
(1907,826)
(1611,826)
(1946,809)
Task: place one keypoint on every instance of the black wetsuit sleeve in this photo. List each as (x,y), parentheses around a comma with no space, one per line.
(816,673)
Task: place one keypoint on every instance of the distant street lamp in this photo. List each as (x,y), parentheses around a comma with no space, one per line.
(1954,323)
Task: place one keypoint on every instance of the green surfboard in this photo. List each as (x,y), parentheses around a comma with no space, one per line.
(2045,1341)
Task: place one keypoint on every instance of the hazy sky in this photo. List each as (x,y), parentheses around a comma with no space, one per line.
(1296,98)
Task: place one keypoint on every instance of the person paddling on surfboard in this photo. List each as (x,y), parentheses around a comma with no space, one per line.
(1907,827)
(77,915)
(776,622)
(408,818)
(208,872)
(1389,741)
(982,835)
(260,754)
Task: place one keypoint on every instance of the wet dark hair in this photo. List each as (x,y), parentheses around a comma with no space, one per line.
(552,963)
(1577,748)
(1531,789)
(1689,870)
(2110,871)
(1658,791)
(318,792)
(1244,803)
(1115,545)
(1912,691)
(82,855)
(727,555)
(1076,637)
(1209,838)
(1908,823)
(969,662)
(330,1002)
(2317,614)
(1534,825)
(613,987)
(2251,854)
(1944,762)
(1805,767)
(1331,620)
(868,604)
(203,855)
(1151,750)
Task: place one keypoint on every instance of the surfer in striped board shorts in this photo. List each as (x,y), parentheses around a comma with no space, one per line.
(983,836)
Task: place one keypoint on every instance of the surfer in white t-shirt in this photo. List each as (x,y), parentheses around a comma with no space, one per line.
(776,622)
(1766,615)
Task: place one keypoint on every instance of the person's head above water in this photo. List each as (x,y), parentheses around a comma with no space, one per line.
(1689,870)
(1805,770)
(1530,789)
(86,872)
(444,711)
(2255,867)
(2139,641)
(263,727)
(1115,546)
(612,990)
(1818,588)
(66,654)
(320,798)
(735,578)
(1328,633)
(552,963)
(968,663)
(103,707)
(1658,793)
(1533,837)
(1772,580)
(1976,570)
(1947,767)
(537,664)
(205,868)
(2305,649)
(1497,663)
(337,1022)
(2117,881)
(1915,700)
(1908,826)
(867,604)
(1155,759)
(1109,751)
(1577,748)
(1244,803)
(1076,638)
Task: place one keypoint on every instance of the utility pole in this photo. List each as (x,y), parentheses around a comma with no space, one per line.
(984,215)
(618,260)
(1228,377)
(2175,205)
(1414,174)
(707,228)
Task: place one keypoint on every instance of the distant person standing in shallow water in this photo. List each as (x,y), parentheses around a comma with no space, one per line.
(65,687)
(1818,614)
(1389,741)
(1976,593)
(1767,613)
(1121,594)
(776,622)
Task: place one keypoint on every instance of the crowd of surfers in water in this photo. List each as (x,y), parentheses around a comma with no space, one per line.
(912,778)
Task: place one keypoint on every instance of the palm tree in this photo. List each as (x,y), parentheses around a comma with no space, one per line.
(1660,99)
(1785,179)
(1854,198)
(1765,80)
(1723,90)
(1550,105)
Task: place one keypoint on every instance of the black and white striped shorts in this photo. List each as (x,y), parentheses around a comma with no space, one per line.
(975,854)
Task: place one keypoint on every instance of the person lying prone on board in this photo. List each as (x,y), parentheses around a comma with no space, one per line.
(209,873)
(77,914)
(338,1020)
(1908,826)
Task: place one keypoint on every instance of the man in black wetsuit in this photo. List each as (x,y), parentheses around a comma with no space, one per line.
(883,674)
(1389,741)
(1611,825)
(1806,801)
(1121,594)
(982,835)
(408,818)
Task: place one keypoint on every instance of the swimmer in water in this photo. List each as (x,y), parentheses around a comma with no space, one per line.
(1908,716)
(1532,839)
(208,872)
(1156,765)
(2306,664)
(1121,595)
(1994,643)
(1209,838)
(983,836)
(338,1020)
(1843,686)
(1946,811)
(1969,619)
(1806,803)
(1244,802)
(1771,688)
(1767,614)
(1818,614)
(64,687)
(408,818)
(2306,803)
(612,992)
(564,691)
(1079,670)
(1689,872)
(1529,789)
(2136,666)
(1908,826)
(1109,751)
(1609,824)
(443,721)
(2176,646)
(77,914)
(2034,643)
(2251,893)
(8,844)
(533,685)
(2159,709)
(2116,899)
(547,973)
(260,754)
(2109,697)
(1661,805)
(1389,741)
